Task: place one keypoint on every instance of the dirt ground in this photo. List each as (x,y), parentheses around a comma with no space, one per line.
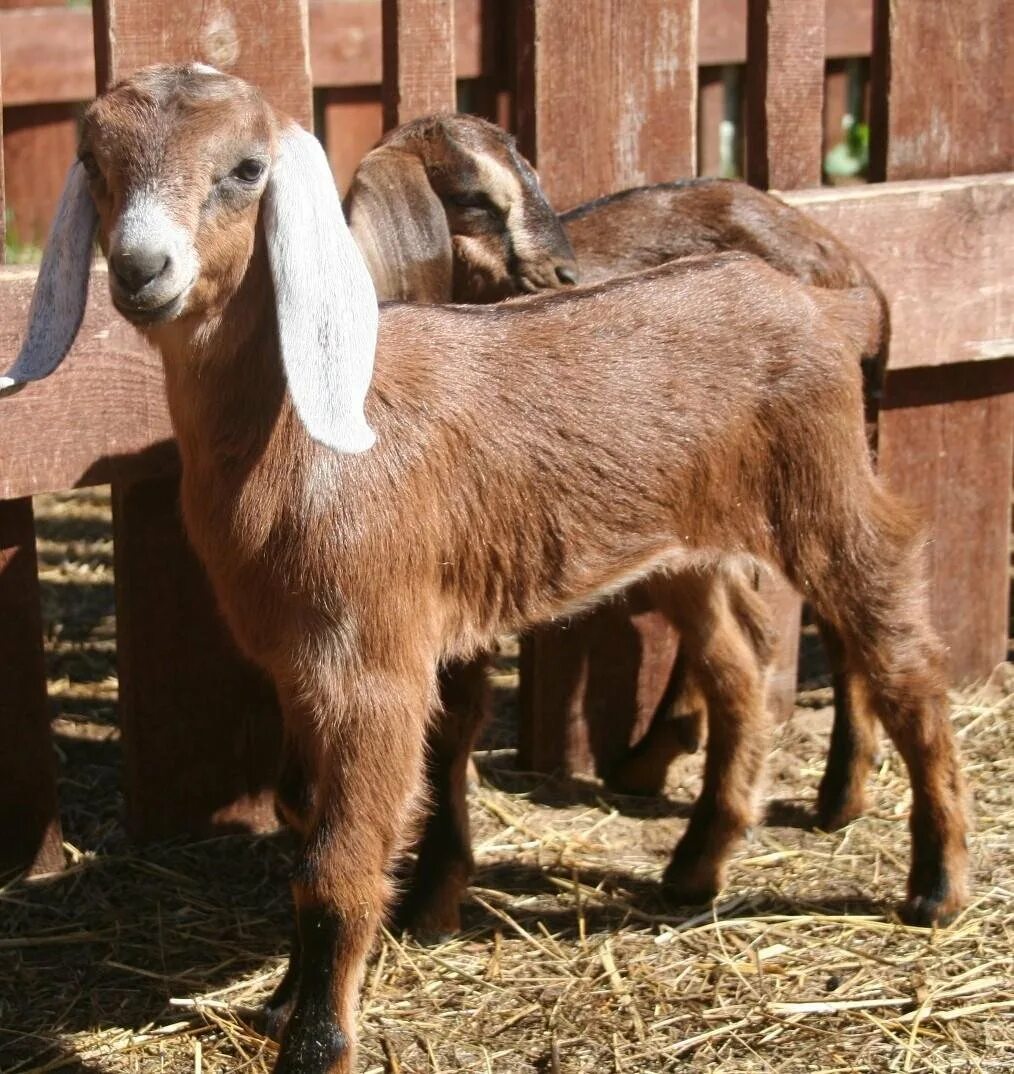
(151,960)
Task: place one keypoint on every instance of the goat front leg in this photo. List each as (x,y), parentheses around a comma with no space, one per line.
(724,628)
(431,909)
(369,733)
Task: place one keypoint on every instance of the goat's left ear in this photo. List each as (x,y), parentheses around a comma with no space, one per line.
(327,307)
(61,288)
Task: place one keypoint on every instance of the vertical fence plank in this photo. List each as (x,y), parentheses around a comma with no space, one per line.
(418,59)
(200,726)
(29,822)
(606,99)
(607,94)
(946,451)
(29,819)
(785,92)
(785,98)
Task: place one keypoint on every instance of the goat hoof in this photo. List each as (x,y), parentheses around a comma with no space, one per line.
(928,910)
(630,778)
(689,886)
(430,925)
(838,807)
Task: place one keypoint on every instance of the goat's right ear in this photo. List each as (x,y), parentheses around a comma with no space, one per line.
(326,304)
(401,227)
(61,289)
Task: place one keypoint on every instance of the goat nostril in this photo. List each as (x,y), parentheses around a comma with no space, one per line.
(136,268)
(565,274)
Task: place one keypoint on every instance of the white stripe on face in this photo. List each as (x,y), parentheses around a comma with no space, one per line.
(144,225)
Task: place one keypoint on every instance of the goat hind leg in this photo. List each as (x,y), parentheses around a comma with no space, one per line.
(841,797)
(882,615)
(730,659)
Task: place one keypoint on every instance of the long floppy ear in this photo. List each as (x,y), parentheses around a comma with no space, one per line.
(327,307)
(401,227)
(61,289)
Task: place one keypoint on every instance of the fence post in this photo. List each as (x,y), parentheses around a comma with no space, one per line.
(606,99)
(29,817)
(418,59)
(200,726)
(946,436)
(784,101)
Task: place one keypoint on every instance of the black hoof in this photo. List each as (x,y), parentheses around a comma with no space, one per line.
(925,912)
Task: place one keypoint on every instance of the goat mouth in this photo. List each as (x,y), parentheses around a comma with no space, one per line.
(141,315)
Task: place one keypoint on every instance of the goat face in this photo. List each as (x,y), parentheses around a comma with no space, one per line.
(463,176)
(177,198)
(190,179)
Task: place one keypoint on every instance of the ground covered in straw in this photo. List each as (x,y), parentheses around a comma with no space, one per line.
(151,960)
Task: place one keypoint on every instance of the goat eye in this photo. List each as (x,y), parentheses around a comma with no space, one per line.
(249,170)
(474,200)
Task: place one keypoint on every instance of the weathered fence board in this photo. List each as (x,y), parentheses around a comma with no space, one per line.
(200,726)
(418,59)
(606,100)
(101,418)
(607,93)
(785,92)
(29,821)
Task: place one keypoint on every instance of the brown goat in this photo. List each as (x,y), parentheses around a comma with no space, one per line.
(440,209)
(526,460)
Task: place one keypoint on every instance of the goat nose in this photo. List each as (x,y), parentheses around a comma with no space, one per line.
(136,268)
(566,274)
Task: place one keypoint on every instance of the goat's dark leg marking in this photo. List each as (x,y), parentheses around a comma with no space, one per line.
(431,909)
(852,751)
(729,659)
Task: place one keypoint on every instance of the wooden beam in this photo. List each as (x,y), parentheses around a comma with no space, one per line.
(784,141)
(101,417)
(785,92)
(418,59)
(941,251)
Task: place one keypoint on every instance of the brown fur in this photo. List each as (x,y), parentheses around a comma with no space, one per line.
(658,422)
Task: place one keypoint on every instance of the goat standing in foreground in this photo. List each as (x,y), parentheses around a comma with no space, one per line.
(446,209)
(370,498)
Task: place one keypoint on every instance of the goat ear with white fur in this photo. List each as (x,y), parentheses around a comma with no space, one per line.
(326,303)
(61,289)
(401,227)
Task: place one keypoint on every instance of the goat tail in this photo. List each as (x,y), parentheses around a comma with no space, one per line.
(862,315)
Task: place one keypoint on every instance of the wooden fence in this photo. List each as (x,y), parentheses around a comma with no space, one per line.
(49,69)
(604,94)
